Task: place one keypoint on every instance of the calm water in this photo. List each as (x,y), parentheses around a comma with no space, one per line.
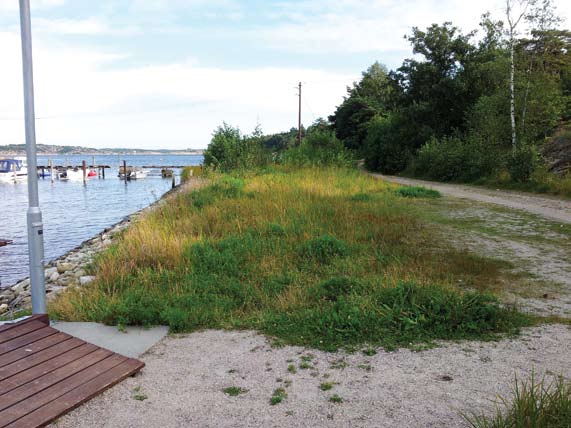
(73,212)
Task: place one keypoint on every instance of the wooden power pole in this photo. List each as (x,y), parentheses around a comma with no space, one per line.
(299,118)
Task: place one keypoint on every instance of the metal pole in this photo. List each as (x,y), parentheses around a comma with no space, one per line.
(299,118)
(35,225)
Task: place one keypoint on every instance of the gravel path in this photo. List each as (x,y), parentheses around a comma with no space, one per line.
(545,206)
(185,376)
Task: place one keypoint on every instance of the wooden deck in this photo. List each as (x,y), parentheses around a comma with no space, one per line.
(45,373)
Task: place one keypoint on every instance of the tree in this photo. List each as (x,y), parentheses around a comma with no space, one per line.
(516,10)
(370,97)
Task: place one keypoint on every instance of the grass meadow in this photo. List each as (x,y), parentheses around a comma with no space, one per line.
(321,257)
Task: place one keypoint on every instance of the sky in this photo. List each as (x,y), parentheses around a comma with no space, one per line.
(155,74)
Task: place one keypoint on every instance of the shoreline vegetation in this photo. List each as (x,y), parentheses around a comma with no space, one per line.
(322,257)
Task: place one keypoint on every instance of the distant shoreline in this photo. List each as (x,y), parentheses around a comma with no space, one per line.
(104,153)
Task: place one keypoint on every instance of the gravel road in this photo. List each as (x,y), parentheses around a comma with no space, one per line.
(545,206)
(184,378)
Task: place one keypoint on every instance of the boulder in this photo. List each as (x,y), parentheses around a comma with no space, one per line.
(50,271)
(63,267)
(3,308)
(84,280)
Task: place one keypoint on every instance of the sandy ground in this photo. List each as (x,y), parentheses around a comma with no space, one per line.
(545,206)
(185,376)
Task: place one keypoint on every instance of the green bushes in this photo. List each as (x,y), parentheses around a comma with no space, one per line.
(522,163)
(454,159)
(229,150)
(320,147)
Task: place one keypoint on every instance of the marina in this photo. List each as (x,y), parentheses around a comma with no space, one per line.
(74,211)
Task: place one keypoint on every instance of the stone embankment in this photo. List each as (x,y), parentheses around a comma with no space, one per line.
(66,271)
(70,270)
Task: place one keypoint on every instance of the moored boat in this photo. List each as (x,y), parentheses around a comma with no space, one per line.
(13,169)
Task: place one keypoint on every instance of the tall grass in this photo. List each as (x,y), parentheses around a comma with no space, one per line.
(301,254)
(535,404)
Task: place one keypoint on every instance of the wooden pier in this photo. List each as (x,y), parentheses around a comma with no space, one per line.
(45,373)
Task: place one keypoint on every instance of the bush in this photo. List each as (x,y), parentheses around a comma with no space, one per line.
(229,150)
(319,148)
(386,147)
(453,159)
(522,164)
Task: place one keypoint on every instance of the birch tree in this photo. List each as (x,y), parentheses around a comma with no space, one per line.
(516,11)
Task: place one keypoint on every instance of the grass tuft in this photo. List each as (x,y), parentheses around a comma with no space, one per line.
(535,404)
(417,192)
(278,396)
(234,391)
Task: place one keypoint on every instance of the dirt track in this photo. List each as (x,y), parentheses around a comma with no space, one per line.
(549,207)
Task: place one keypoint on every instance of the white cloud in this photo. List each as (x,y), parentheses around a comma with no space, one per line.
(89,26)
(34,4)
(80,102)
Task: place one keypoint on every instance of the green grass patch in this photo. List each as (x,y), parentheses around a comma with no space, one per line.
(326,386)
(234,391)
(278,396)
(290,254)
(335,399)
(417,192)
(535,404)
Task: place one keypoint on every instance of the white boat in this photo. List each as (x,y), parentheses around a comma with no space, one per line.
(137,173)
(75,174)
(13,169)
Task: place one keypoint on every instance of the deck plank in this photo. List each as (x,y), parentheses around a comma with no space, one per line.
(26,339)
(37,358)
(32,348)
(45,373)
(43,369)
(54,393)
(72,399)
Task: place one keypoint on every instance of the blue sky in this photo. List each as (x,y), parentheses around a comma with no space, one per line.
(165,73)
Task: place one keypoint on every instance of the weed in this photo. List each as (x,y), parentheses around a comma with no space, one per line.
(291,368)
(326,386)
(361,197)
(234,391)
(335,399)
(338,364)
(536,404)
(305,365)
(369,352)
(278,396)
(366,367)
(323,249)
(417,192)
(138,395)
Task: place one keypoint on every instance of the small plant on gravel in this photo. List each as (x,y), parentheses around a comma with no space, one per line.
(369,352)
(338,364)
(417,192)
(335,399)
(535,404)
(278,396)
(291,368)
(138,395)
(326,386)
(304,365)
(234,391)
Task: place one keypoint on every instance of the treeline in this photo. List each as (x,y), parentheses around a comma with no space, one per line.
(466,107)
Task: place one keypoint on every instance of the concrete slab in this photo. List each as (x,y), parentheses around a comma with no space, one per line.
(132,342)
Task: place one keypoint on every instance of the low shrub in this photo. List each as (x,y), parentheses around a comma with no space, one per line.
(319,148)
(417,192)
(454,159)
(522,163)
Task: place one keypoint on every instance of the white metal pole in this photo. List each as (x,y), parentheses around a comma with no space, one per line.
(35,225)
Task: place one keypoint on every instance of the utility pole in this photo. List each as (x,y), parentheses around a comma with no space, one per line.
(299,117)
(35,225)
